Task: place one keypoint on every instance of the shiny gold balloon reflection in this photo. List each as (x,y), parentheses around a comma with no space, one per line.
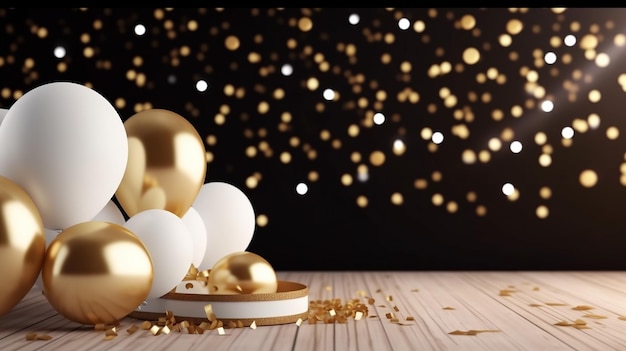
(166,163)
(242,273)
(22,244)
(96,272)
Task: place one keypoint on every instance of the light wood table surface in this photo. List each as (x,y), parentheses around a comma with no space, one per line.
(419,310)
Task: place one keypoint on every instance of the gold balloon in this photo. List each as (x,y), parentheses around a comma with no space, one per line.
(242,273)
(166,163)
(22,244)
(96,272)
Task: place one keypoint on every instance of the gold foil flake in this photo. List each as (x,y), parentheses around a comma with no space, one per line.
(578,324)
(146,325)
(206,325)
(395,308)
(35,336)
(221,331)
(594,316)
(473,332)
(133,328)
(332,312)
(358,315)
(299,322)
(155,330)
(448,308)
(556,304)
(371,301)
(394,320)
(232,324)
(112,331)
(208,311)
(582,308)
(165,330)
(239,324)
(389,298)
(409,318)
(622,318)
(506,292)
(253,325)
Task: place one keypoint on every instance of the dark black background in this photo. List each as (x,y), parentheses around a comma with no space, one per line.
(325,229)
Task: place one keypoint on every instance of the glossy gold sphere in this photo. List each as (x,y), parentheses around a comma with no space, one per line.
(96,272)
(242,273)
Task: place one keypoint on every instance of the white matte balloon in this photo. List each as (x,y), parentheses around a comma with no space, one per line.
(169,243)
(66,145)
(110,213)
(229,220)
(3,112)
(197,230)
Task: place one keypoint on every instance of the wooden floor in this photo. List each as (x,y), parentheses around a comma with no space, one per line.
(405,311)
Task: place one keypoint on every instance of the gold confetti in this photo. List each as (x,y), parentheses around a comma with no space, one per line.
(208,311)
(449,308)
(31,336)
(410,318)
(582,308)
(44,337)
(165,330)
(556,304)
(299,322)
(332,312)
(111,331)
(133,328)
(506,292)
(622,318)
(146,325)
(358,315)
(253,325)
(389,298)
(371,301)
(395,308)
(536,288)
(473,332)
(221,331)
(594,316)
(155,330)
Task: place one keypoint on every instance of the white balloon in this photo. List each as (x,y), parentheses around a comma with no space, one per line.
(229,220)
(197,230)
(3,112)
(110,213)
(67,147)
(169,243)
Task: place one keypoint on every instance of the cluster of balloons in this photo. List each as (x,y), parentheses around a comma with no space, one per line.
(65,154)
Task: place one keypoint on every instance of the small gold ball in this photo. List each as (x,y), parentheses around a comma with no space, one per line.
(242,273)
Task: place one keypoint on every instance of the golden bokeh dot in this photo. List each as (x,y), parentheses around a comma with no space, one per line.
(361,201)
(437,199)
(545,192)
(612,133)
(471,55)
(436,176)
(452,206)
(471,196)
(305,24)
(481,210)
(468,22)
(545,160)
(542,212)
(588,178)
(468,156)
(231,42)
(262,220)
(377,158)
(313,176)
(420,183)
(514,26)
(346,179)
(397,199)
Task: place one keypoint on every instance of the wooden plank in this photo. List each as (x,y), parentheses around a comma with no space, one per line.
(410,310)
